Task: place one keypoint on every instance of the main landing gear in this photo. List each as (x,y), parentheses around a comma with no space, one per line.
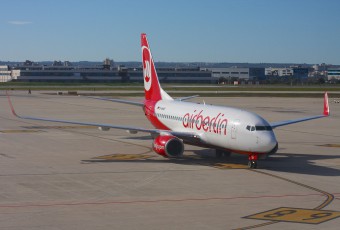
(252,157)
(252,163)
(221,153)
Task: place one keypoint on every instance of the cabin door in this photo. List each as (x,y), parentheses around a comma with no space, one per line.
(234,129)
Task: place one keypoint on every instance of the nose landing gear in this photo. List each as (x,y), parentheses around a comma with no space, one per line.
(252,163)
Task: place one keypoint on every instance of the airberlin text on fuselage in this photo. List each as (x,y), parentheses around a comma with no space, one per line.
(216,124)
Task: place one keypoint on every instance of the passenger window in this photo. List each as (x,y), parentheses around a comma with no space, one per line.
(253,128)
(248,127)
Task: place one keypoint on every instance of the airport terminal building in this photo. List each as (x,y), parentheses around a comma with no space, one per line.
(238,74)
(100,74)
(175,75)
(294,71)
(5,73)
(108,72)
(333,74)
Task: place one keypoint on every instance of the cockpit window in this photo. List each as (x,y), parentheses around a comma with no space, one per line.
(258,128)
(263,128)
(250,128)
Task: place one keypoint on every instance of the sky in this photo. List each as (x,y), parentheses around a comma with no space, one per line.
(254,31)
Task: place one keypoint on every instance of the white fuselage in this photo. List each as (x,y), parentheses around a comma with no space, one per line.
(224,127)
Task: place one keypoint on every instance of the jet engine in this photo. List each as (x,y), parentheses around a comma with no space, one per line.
(168,146)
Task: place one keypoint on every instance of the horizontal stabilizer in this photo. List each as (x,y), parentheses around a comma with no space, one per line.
(118,101)
(186,98)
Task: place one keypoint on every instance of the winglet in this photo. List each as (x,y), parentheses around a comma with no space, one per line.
(11,105)
(325,105)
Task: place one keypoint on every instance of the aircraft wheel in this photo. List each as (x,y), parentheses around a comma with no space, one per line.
(252,164)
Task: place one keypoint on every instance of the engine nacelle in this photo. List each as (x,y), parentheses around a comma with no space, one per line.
(168,146)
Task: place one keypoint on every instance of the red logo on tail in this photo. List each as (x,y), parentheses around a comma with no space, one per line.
(147,68)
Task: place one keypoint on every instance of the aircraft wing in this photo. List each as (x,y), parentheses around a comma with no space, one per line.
(293,121)
(288,122)
(189,136)
(118,100)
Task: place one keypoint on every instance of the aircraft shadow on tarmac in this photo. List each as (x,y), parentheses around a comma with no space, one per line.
(300,164)
(281,162)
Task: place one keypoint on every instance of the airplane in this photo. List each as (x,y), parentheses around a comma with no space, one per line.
(178,122)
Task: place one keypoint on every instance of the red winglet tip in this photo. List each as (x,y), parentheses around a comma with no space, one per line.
(325,105)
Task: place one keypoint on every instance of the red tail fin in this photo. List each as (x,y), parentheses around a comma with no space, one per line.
(151,84)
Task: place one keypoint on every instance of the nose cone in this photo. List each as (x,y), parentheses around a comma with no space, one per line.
(274,150)
(268,143)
